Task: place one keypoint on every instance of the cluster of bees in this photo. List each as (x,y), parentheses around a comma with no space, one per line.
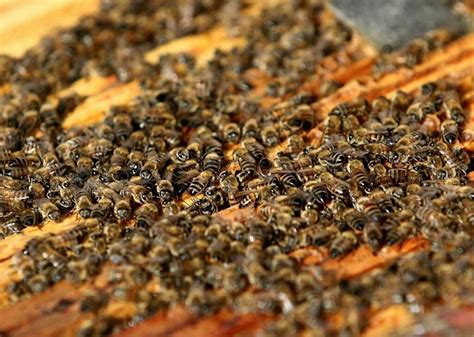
(413,53)
(147,180)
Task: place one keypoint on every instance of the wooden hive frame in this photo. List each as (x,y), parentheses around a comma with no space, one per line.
(56,311)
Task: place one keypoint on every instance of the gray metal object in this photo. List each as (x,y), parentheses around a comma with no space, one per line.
(395,22)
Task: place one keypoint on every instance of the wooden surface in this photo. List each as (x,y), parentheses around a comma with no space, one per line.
(24,23)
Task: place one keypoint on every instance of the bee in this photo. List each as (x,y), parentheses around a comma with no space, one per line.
(332,159)
(315,235)
(194,150)
(83,203)
(153,165)
(84,167)
(370,209)
(18,161)
(212,145)
(418,111)
(229,184)
(212,163)
(5,155)
(306,115)
(255,149)
(105,131)
(257,275)
(197,302)
(122,126)
(47,209)
(432,217)
(165,190)
(398,175)
(231,132)
(373,235)
(400,233)
(380,105)
(320,194)
(359,175)
(270,136)
(171,208)
(337,187)
(94,301)
(122,208)
(449,131)
(302,118)
(17,172)
(30,217)
(358,107)
(217,195)
(383,201)
(119,156)
(251,129)
(311,216)
(136,140)
(409,138)
(280,328)
(134,163)
(199,183)
(343,244)
(10,225)
(349,123)
(118,173)
(453,106)
(234,280)
(295,144)
(37,283)
(179,155)
(139,193)
(219,248)
(355,219)
(247,164)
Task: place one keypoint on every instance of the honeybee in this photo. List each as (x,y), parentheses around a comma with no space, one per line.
(212,163)
(359,176)
(134,164)
(343,244)
(139,193)
(449,131)
(373,235)
(354,219)
(270,136)
(453,106)
(358,107)
(315,235)
(400,233)
(302,118)
(251,129)
(165,190)
(179,155)
(247,164)
(47,209)
(83,203)
(122,208)
(370,209)
(153,165)
(146,214)
(199,183)
(231,132)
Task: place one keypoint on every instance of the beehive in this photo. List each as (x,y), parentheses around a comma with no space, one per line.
(59,305)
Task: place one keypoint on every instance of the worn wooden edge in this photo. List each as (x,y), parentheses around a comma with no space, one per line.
(24,23)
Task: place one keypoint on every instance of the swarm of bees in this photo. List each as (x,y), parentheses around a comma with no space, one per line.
(147,180)
(412,53)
